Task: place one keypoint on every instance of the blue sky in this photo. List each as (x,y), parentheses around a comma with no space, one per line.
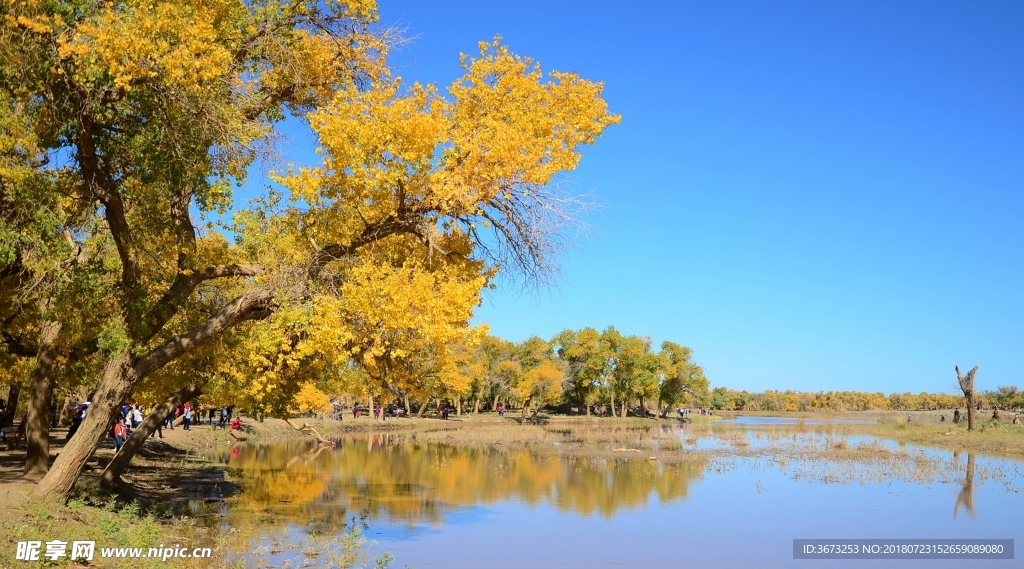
(812,195)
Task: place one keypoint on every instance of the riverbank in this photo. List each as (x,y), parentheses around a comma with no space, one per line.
(172,474)
(144,512)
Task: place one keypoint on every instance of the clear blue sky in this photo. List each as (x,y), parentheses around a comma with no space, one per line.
(812,195)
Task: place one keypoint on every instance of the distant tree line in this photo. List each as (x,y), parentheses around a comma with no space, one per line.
(585,371)
(729,399)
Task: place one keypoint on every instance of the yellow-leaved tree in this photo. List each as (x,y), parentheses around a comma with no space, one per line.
(374,258)
(310,399)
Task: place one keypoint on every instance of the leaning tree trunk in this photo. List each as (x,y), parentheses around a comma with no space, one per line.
(494,407)
(423,407)
(123,371)
(37,459)
(12,404)
(116,385)
(967,386)
(112,473)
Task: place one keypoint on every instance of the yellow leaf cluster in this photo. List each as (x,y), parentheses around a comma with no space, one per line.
(311,399)
(178,41)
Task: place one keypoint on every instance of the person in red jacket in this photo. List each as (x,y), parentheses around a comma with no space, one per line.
(120,434)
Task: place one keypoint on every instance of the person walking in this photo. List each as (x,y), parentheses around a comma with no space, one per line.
(120,434)
(187,421)
(136,416)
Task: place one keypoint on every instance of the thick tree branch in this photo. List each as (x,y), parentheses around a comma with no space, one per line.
(255,304)
(371,233)
(181,289)
(113,206)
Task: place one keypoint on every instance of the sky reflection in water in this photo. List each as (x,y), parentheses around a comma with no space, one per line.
(440,505)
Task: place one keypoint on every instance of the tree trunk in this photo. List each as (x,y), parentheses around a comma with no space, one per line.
(123,370)
(423,407)
(405,398)
(967,386)
(116,385)
(969,395)
(370,397)
(476,406)
(625,407)
(112,473)
(586,406)
(37,459)
(495,406)
(611,392)
(458,406)
(12,404)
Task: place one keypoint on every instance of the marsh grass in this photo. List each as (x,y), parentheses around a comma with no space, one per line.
(346,548)
(990,437)
(112,524)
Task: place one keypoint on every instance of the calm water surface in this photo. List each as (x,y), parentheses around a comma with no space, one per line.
(746,490)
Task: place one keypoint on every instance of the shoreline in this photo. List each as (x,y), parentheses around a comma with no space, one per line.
(169,473)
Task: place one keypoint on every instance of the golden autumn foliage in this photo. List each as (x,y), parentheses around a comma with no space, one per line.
(402,199)
(771,400)
(375,258)
(310,399)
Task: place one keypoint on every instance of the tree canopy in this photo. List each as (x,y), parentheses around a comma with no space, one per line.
(126,124)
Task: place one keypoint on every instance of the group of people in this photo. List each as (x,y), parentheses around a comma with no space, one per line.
(128,420)
(379,412)
(958,418)
(184,412)
(222,417)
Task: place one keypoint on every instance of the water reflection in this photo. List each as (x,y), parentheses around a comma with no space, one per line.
(966,497)
(398,480)
(416,496)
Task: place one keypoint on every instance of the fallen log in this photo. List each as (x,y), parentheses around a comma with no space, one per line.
(307,430)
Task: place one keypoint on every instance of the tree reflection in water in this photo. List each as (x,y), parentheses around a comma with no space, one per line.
(966,497)
(396,479)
